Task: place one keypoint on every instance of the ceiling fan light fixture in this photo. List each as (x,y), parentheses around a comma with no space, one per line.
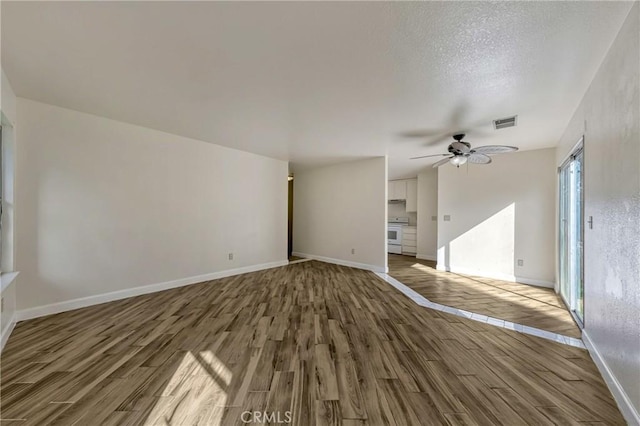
(460,152)
(458,160)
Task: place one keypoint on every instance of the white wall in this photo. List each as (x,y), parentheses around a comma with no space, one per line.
(427,208)
(107,206)
(500,212)
(340,208)
(400,210)
(611,108)
(8,292)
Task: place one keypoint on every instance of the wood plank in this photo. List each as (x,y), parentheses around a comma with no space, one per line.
(537,307)
(326,380)
(332,344)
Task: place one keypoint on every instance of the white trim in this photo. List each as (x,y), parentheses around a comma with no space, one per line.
(83,302)
(622,399)
(496,276)
(537,283)
(7,332)
(6,278)
(365,266)
(293,262)
(496,322)
(427,257)
(579,145)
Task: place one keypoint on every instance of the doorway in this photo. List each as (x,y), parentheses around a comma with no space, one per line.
(571,232)
(290,217)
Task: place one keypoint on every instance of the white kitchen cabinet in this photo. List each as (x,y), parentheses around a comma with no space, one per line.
(409,245)
(400,189)
(405,189)
(412,196)
(397,190)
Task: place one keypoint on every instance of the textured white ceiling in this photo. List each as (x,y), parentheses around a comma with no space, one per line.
(316,83)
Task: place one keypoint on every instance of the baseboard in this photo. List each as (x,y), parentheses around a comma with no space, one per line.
(624,403)
(427,257)
(441,267)
(496,276)
(341,262)
(7,332)
(537,283)
(69,305)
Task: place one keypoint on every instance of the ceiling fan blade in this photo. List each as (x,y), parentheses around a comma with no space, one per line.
(442,137)
(459,115)
(422,133)
(427,156)
(459,146)
(441,162)
(478,158)
(495,149)
(431,137)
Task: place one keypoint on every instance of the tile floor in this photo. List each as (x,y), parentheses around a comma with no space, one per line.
(423,301)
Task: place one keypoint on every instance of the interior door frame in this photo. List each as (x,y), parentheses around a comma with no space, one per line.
(574,153)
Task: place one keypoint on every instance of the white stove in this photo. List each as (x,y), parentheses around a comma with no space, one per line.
(394,233)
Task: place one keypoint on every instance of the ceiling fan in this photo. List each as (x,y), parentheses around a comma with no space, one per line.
(460,152)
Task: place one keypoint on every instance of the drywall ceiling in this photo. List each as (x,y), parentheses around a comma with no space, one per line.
(316,83)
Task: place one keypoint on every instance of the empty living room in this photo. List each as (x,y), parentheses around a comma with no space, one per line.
(319,213)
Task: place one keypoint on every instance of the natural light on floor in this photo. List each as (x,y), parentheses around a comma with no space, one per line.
(195,394)
(499,293)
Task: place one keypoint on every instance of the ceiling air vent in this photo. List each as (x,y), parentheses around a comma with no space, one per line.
(503,123)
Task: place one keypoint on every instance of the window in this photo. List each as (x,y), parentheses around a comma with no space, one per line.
(571,227)
(1,199)
(7,149)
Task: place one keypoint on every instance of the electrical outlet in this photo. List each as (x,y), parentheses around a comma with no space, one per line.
(353,251)
(520,262)
(230,256)
(447,218)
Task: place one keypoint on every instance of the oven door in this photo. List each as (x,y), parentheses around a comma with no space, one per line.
(394,235)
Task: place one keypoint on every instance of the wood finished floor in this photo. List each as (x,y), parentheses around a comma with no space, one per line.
(519,303)
(333,345)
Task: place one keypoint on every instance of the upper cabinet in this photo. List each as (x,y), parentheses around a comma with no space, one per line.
(400,189)
(397,190)
(405,189)
(412,196)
